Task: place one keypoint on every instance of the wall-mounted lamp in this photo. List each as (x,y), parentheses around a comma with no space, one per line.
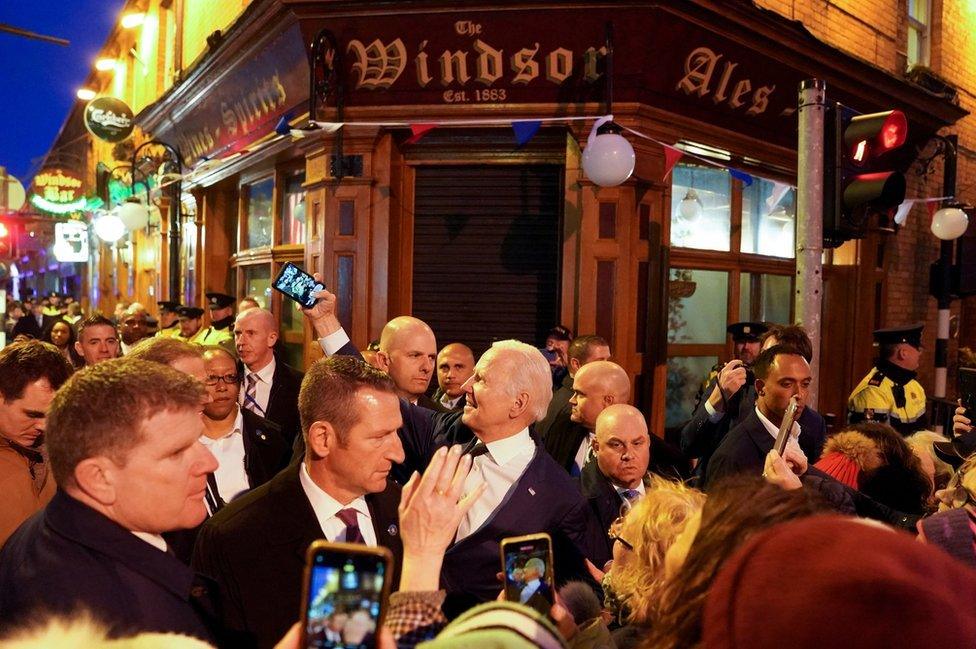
(85,94)
(133,20)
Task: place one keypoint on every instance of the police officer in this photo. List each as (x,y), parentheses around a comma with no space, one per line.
(221,329)
(745,348)
(169,319)
(191,323)
(889,393)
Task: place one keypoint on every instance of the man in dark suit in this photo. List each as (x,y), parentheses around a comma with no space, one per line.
(407,353)
(617,478)
(255,546)
(731,397)
(32,323)
(781,373)
(525,490)
(597,384)
(125,475)
(270,387)
(583,350)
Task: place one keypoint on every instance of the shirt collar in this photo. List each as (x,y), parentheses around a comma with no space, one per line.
(266,373)
(639,489)
(236,429)
(154,540)
(324,505)
(505,450)
(448,402)
(774,430)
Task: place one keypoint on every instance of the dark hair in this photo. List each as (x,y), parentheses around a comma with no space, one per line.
(792,335)
(886,351)
(581,346)
(328,390)
(560,332)
(737,508)
(764,361)
(93,320)
(373,346)
(25,362)
(164,350)
(102,409)
(899,483)
(76,359)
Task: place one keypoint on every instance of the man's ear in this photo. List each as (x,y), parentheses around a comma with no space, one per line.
(760,385)
(272,338)
(383,359)
(96,477)
(520,405)
(321,438)
(574,366)
(78,347)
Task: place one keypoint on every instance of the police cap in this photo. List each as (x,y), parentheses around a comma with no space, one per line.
(748,332)
(190,312)
(219,300)
(910,334)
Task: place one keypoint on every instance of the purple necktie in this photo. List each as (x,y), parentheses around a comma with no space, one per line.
(351,519)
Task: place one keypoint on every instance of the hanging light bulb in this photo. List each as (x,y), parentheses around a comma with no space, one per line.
(608,159)
(690,207)
(108,227)
(949,223)
(133,214)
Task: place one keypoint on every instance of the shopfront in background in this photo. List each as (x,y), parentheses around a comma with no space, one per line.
(486,239)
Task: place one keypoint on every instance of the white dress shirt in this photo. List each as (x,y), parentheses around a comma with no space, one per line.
(529,590)
(793,442)
(326,507)
(450,403)
(333,342)
(263,386)
(501,467)
(639,489)
(584,452)
(229,450)
(154,540)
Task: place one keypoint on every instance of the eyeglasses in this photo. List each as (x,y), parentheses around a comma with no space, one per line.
(956,494)
(229,379)
(614,533)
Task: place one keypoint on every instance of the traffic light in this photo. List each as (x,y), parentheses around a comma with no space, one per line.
(6,241)
(862,174)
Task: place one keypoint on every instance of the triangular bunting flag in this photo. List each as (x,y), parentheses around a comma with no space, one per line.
(419,130)
(671,157)
(902,212)
(741,175)
(282,127)
(779,191)
(525,130)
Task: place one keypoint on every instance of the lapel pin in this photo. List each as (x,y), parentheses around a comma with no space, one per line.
(392,530)
(531,491)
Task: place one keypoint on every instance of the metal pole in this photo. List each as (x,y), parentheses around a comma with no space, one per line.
(943,283)
(808,297)
(174,241)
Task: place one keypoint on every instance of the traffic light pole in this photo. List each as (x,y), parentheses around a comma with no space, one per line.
(942,282)
(808,297)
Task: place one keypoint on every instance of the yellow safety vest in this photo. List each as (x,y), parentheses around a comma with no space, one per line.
(878,398)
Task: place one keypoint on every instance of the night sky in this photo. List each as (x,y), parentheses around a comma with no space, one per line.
(38,79)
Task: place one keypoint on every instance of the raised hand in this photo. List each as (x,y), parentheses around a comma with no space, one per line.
(322,316)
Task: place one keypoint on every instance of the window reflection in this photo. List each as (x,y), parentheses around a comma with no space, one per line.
(260,196)
(769,219)
(701,207)
(293,209)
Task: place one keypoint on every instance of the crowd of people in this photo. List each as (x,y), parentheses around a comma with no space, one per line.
(166,477)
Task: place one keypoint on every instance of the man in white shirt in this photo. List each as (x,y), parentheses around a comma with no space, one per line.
(254,547)
(269,386)
(781,373)
(455,365)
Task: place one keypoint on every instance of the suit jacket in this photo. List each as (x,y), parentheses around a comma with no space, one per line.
(743,450)
(69,556)
(283,400)
(255,549)
(266,452)
(27,325)
(557,407)
(428,402)
(436,397)
(544,499)
(700,437)
(605,503)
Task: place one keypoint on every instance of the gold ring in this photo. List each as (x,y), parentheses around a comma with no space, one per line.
(439,492)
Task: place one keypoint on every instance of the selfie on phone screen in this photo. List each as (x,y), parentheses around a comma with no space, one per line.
(528,573)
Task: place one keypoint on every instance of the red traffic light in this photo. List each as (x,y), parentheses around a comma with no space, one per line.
(874,134)
(3,230)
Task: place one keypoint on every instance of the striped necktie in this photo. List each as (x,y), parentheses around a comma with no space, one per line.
(351,520)
(251,395)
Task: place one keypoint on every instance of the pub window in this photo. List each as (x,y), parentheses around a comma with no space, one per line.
(919,32)
(257,283)
(701,208)
(293,209)
(769,219)
(258,200)
(697,306)
(765,298)
(685,376)
(292,324)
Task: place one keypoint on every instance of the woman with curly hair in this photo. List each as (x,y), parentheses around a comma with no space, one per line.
(62,335)
(736,509)
(642,539)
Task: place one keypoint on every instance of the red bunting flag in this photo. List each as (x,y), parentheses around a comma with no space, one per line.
(671,157)
(419,130)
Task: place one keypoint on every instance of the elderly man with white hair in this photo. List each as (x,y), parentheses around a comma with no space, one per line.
(525,491)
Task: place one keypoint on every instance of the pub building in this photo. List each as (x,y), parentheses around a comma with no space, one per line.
(484,239)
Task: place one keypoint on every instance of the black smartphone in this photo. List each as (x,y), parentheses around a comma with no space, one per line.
(527,566)
(967,389)
(346,588)
(297,284)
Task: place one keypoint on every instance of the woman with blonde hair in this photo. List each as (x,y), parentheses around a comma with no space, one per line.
(642,538)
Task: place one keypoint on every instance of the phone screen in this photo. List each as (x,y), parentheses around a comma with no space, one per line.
(345,599)
(528,572)
(967,389)
(297,284)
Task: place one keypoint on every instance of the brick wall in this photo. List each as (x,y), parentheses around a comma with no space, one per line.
(876,31)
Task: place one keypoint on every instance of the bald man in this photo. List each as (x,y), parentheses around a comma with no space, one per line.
(455,365)
(269,387)
(407,353)
(616,480)
(596,386)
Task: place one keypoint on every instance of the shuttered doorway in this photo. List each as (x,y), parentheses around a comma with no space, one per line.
(486,252)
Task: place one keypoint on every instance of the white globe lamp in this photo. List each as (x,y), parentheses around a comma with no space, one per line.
(690,207)
(608,159)
(949,223)
(133,214)
(108,227)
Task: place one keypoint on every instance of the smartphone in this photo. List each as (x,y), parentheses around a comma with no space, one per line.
(344,595)
(528,569)
(786,428)
(297,284)
(967,389)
